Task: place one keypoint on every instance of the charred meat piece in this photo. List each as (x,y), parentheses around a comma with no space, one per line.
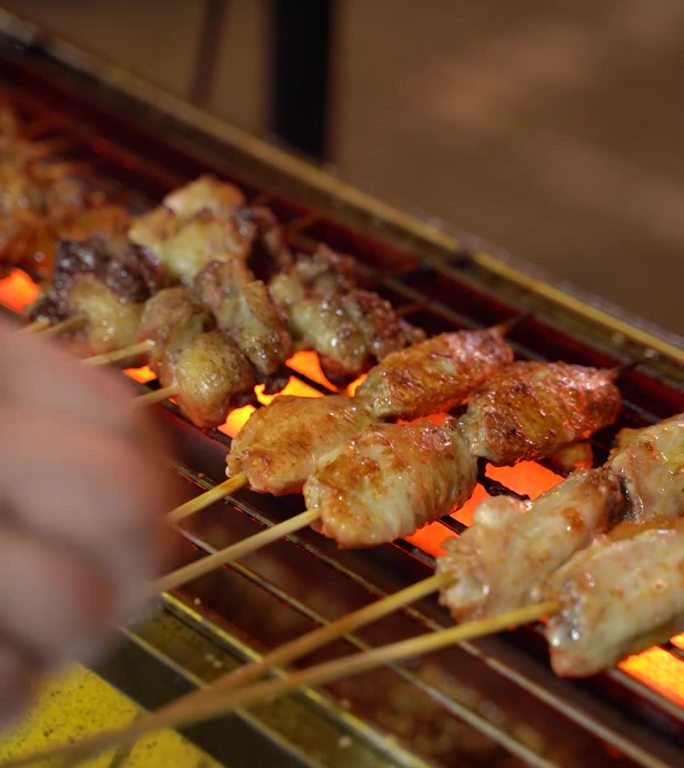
(104,279)
(243,307)
(123,268)
(195,224)
(388,480)
(529,410)
(618,597)
(503,559)
(326,273)
(650,464)
(211,376)
(279,446)
(171,318)
(434,375)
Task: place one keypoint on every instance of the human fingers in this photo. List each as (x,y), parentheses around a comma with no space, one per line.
(96,491)
(35,374)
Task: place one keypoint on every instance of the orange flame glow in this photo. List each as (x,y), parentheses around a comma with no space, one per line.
(655,667)
(17,290)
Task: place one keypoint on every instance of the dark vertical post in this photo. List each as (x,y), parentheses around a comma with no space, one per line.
(208,48)
(300,74)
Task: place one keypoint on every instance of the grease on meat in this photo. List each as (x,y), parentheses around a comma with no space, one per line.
(279,446)
(389,480)
(503,559)
(529,410)
(433,375)
(650,464)
(617,597)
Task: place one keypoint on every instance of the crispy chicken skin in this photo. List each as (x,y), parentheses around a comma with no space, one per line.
(211,375)
(650,464)
(279,446)
(617,597)
(243,307)
(434,375)
(194,225)
(501,561)
(529,410)
(171,318)
(389,480)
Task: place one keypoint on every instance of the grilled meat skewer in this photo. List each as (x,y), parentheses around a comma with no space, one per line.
(617,598)
(279,446)
(529,410)
(504,558)
(434,375)
(389,480)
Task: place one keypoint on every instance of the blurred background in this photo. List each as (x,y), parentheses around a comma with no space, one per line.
(551,128)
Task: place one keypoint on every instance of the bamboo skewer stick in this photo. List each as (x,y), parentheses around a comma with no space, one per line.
(36,326)
(202,501)
(319,637)
(72,323)
(213,703)
(120,354)
(234,551)
(156,396)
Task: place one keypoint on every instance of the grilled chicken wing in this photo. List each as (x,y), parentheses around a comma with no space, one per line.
(617,597)
(280,445)
(434,375)
(501,561)
(171,318)
(211,375)
(529,410)
(650,464)
(195,225)
(389,480)
(243,307)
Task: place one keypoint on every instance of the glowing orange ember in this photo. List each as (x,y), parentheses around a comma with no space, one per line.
(236,420)
(659,670)
(17,290)
(293,387)
(307,362)
(141,375)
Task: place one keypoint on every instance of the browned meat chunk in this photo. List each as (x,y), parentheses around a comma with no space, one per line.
(195,224)
(388,480)
(434,375)
(650,464)
(243,307)
(529,410)
(512,547)
(211,376)
(326,273)
(279,446)
(617,598)
(171,318)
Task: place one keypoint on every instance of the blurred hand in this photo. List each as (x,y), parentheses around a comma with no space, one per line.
(82,494)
